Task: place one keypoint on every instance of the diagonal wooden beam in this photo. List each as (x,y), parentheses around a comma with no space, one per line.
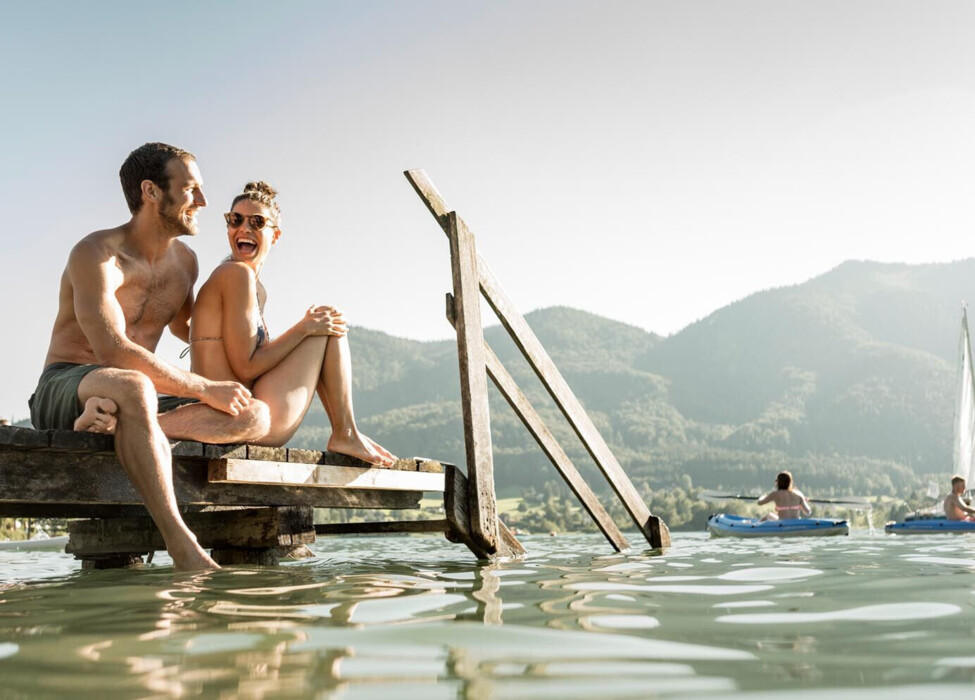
(473,385)
(538,429)
(653,528)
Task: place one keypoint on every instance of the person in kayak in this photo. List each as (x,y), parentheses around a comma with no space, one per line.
(789,502)
(955,507)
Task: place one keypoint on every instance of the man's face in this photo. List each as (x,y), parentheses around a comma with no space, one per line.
(183,198)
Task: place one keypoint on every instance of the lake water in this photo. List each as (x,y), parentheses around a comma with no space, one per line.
(399,618)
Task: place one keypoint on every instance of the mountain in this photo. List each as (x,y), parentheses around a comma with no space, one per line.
(847,377)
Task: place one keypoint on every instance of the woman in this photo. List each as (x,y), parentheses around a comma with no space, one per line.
(229,339)
(789,502)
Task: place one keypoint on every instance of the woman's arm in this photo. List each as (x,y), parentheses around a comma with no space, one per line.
(240,309)
(766,498)
(803,503)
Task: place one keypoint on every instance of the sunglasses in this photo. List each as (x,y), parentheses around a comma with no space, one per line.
(256,221)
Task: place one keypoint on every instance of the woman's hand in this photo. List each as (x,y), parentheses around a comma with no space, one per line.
(324,320)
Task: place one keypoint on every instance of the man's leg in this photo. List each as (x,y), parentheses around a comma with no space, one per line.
(202,423)
(143,451)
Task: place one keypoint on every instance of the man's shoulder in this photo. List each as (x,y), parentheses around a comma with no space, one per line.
(97,246)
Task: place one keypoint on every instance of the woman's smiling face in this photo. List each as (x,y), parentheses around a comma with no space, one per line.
(248,244)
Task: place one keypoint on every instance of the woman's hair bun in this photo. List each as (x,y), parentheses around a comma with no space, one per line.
(260,187)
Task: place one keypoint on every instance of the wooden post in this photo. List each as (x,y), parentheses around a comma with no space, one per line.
(473,385)
(653,528)
(456,506)
(550,446)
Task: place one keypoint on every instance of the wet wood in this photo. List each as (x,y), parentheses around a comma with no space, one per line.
(539,430)
(456,507)
(651,527)
(376,528)
(473,385)
(250,528)
(238,471)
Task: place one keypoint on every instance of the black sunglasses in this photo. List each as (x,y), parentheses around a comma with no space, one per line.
(256,221)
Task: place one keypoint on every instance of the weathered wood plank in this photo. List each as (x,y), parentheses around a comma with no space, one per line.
(70,510)
(407,464)
(473,384)
(456,507)
(538,429)
(68,478)
(239,471)
(11,436)
(251,528)
(74,441)
(653,529)
(381,527)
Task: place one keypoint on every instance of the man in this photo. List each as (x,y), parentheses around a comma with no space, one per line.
(955,507)
(121,288)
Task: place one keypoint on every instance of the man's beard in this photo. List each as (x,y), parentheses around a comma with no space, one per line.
(173,223)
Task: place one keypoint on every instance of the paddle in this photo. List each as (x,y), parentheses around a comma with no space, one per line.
(850,502)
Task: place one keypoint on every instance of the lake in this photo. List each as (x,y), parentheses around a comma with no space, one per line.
(865,616)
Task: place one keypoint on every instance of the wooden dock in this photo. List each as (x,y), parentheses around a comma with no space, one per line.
(248,504)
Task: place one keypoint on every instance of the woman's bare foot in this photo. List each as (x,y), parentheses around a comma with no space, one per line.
(354,444)
(379,448)
(98,416)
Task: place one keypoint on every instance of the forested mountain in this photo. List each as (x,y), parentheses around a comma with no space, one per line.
(847,378)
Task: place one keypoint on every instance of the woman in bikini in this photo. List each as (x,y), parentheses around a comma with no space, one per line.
(789,502)
(230,341)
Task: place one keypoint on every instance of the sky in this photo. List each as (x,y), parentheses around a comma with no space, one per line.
(647,161)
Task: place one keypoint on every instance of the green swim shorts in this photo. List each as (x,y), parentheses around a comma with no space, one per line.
(55,404)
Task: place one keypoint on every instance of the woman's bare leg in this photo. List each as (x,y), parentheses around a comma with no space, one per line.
(319,364)
(335,390)
(289,387)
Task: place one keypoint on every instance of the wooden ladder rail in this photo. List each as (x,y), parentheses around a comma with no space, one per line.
(651,527)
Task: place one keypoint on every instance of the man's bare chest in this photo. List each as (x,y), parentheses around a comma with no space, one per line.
(151,297)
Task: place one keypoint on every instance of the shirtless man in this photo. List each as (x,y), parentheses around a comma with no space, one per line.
(121,288)
(955,508)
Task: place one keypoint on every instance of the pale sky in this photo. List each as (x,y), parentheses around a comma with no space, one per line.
(646,161)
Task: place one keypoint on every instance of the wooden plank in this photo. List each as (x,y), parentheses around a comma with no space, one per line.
(410,464)
(75,441)
(546,440)
(240,471)
(251,528)
(381,527)
(456,505)
(70,510)
(98,479)
(653,529)
(473,384)
(11,436)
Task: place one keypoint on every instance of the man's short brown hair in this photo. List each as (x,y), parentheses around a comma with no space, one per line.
(956,479)
(147,162)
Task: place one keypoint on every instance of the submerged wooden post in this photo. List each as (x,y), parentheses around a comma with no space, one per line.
(473,385)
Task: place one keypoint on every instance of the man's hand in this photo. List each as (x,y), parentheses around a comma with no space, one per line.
(229,397)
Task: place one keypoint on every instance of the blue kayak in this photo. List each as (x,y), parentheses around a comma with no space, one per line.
(724,525)
(927,525)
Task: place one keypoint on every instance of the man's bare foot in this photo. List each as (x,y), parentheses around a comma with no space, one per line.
(354,444)
(98,416)
(194,558)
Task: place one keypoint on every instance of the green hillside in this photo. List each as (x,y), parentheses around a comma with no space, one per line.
(847,379)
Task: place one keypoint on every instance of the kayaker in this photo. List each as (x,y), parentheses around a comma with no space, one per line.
(789,502)
(955,507)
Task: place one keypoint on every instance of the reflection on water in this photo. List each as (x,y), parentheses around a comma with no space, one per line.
(413,617)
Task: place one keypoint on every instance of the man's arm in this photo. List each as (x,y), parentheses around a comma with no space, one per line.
(95,279)
(180,325)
